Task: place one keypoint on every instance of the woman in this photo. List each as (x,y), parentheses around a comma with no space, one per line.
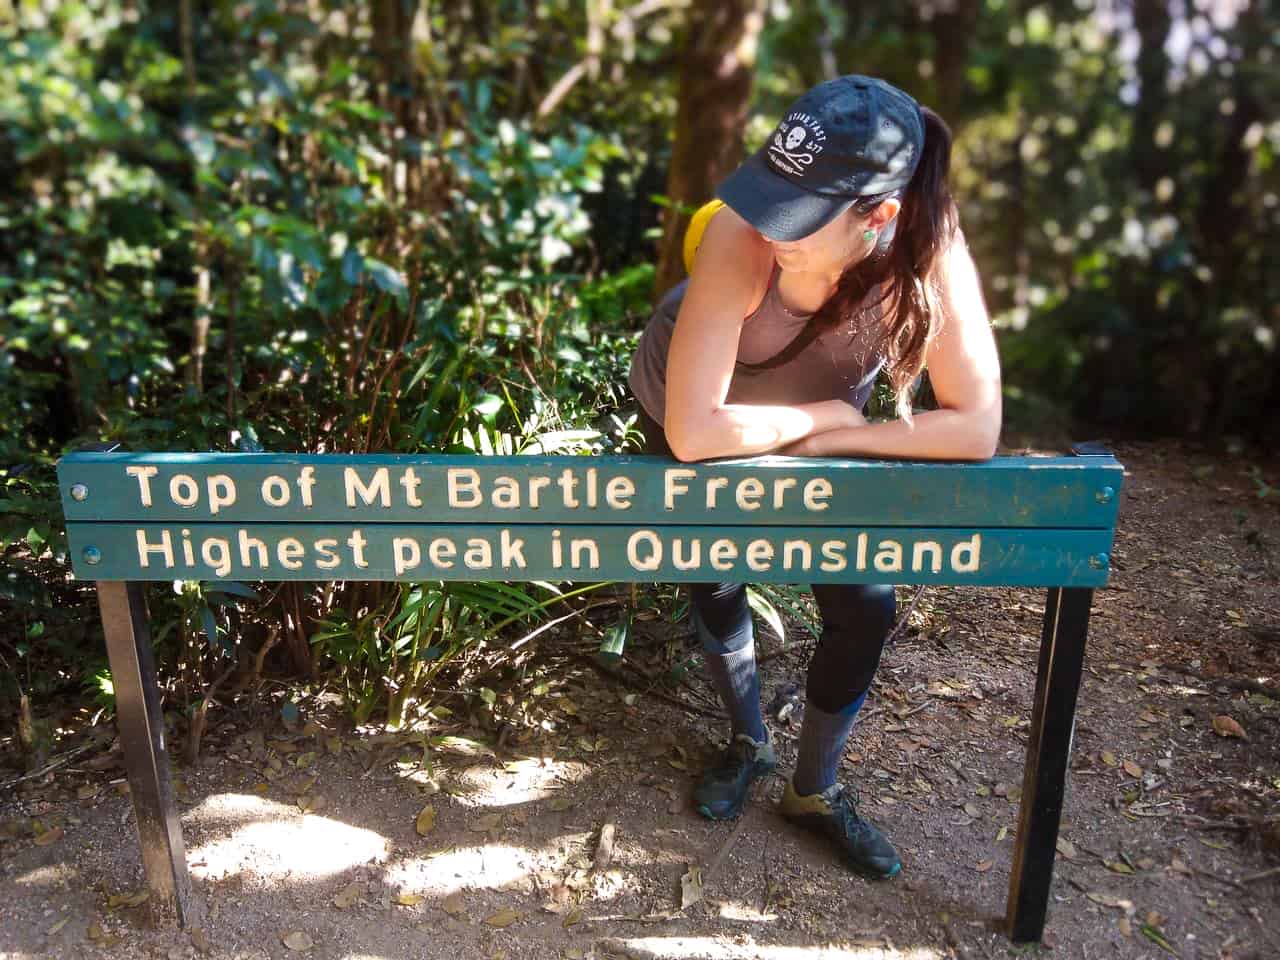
(837,254)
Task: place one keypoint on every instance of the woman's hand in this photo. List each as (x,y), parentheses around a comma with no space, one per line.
(813,445)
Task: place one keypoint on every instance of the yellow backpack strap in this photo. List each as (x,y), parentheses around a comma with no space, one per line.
(697,227)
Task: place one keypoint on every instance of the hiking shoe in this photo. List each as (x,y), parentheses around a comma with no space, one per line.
(723,789)
(832,814)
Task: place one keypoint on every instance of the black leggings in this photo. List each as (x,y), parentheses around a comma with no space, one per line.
(856,619)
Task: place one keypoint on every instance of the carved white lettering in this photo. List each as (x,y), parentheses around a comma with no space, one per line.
(377,490)
(164,548)
(815,491)
(618,493)
(183,490)
(966,556)
(275,491)
(216,553)
(143,475)
(673,487)
(644,550)
(889,556)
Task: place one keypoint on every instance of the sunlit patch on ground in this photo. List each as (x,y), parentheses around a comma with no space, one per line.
(493,866)
(47,876)
(745,913)
(714,948)
(518,781)
(274,840)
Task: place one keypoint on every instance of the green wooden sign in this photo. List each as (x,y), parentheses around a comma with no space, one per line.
(1008,521)
(1069,492)
(379,551)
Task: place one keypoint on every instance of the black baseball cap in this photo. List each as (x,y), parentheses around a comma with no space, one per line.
(847,138)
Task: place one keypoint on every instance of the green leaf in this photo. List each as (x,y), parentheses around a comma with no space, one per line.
(352,265)
(210,626)
(1158,938)
(387,278)
(766,611)
(615,640)
(231,587)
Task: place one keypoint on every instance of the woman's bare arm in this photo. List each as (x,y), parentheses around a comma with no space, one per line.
(733,268)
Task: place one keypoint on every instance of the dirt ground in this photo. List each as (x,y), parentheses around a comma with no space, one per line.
(572,836)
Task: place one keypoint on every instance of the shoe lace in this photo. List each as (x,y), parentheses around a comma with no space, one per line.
(845,807)
(737,753)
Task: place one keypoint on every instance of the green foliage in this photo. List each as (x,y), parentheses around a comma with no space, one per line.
(407,227)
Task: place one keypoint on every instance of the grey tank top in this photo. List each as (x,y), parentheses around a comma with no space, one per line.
(841,363)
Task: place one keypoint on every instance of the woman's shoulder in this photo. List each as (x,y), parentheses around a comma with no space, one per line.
(734,254)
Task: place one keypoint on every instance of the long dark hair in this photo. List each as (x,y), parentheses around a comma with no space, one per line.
(905,266)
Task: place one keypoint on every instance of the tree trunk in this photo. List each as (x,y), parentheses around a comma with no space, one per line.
(393,48)
(716,72)
(200,321)
(952,26)
(1226,223)
(1152,21)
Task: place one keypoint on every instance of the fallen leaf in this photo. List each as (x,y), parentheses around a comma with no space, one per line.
(572,917)
(1126,927)
(503,918)
(1156,937)
(1133,770)
(486,823)
(560,803)
(1119,866)
(86,790)
(426,821)
(200,940)
(297,941)
(1180,866)
(604,848)
(982,866)
(453,904)
(1107,900)
(409,899)
(1225,726)
(94,932)
(1066,848)
(691,887)
(49,836)
(1109,759)
(348,895)
(983,791)
(58,926)
(1004,832)
(971,810)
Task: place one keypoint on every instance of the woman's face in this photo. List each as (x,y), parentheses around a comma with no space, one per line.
(833,248)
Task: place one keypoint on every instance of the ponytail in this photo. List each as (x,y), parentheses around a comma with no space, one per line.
(926,228)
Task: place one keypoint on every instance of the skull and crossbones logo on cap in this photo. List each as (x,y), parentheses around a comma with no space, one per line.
(788,148)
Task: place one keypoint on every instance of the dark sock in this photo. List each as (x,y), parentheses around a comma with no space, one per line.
(731,662)
(822,739)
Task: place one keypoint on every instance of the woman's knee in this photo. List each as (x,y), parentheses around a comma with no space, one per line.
(859,610)
(722,615)
(856,620)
